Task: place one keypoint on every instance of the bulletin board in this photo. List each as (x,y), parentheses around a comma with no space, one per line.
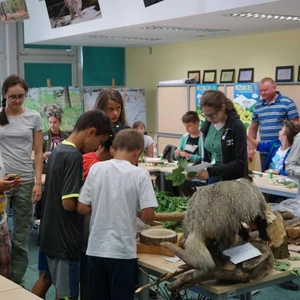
(192,95)
(172,103)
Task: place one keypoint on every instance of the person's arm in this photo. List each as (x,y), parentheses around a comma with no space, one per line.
(150,150)
(84,209)
(292,163)
(252,142)
(70,204)
(252,133)
(180,146)
(38,166)
(147,215)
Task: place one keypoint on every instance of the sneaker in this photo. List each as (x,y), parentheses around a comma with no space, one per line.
(289,285)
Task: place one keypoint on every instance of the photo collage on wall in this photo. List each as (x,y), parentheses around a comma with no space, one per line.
(151,2)
(13,11)
(68,12)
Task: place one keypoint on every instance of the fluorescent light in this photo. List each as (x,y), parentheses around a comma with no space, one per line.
(184,29)
(122,38)
(264,16)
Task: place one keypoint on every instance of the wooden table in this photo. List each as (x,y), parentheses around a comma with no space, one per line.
(156,265)
(264,185)
(12,291)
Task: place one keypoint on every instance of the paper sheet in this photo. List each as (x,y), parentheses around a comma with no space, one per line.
(172,259)
(198,168)
(242,253)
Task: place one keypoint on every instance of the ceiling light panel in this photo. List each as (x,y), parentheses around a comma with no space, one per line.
(264,16)
(183,29)
(122,38)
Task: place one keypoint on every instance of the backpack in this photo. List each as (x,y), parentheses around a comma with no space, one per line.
(169,153)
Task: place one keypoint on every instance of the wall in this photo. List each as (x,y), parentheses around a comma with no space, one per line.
(263,52)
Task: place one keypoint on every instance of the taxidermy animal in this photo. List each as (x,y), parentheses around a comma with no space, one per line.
(214,217)
(74,7)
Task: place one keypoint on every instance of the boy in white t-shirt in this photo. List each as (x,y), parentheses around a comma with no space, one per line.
(278,150)
(112,193)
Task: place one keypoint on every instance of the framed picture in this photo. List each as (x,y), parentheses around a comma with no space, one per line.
(227,76)
(284,74)
(194,74)
(246,75)
(298,74)
(209,76)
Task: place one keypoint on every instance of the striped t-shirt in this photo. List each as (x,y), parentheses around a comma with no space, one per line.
(271,116)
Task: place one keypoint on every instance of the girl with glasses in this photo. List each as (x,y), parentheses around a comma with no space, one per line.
(225,139)
(20,132)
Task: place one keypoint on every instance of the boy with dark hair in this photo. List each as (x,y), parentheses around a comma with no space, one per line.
(278,150)
(191,143)
(112,193)
(61,226)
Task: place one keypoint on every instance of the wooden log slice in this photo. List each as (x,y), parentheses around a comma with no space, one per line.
(156,236)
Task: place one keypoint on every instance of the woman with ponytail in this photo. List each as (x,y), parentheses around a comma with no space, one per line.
(20,132)
(225,139)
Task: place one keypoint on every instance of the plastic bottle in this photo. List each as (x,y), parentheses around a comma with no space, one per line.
(155,151)
(161,157)
(271,176)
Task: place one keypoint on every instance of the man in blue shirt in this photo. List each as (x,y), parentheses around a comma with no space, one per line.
(269,115)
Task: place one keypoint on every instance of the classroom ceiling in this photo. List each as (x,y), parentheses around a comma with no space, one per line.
(233,26)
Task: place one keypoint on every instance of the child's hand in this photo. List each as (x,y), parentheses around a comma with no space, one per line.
(11,180)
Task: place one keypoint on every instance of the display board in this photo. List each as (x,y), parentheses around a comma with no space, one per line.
(68,98)
(134,102)
(172,103)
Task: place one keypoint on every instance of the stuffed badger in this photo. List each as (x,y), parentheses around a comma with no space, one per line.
(214,216)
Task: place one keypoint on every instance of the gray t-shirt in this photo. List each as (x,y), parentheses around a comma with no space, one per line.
(16,139)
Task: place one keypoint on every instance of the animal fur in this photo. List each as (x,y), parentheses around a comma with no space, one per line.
(214,217)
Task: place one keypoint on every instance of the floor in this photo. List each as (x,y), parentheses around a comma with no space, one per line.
(271,293)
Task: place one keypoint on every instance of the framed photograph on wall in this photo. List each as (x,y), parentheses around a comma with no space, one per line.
(246,75)
(194,74)
(209,76)
(298,74)
(227,76)
(284,74)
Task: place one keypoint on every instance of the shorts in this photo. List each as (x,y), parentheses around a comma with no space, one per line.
(5,258)
(65,276)
(43,265)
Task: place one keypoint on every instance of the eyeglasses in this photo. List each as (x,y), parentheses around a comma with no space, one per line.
(15,97)
(211,116)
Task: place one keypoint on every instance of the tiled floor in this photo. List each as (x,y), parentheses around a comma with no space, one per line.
(271,293)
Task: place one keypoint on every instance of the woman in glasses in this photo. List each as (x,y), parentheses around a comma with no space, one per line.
(20,132)
(225,139)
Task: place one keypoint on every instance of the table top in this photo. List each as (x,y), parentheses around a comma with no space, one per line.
(12,291)
(159,264)
(264,184)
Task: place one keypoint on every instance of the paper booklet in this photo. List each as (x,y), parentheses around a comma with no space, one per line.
(200,167)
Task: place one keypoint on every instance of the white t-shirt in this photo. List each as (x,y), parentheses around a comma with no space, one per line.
(147,141)
(16,139)
(115,189)
(278,158)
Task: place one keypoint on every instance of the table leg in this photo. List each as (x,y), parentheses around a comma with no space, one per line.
(162,181)
(143,279)
(246,296)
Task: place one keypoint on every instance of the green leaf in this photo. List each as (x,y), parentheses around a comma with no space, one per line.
(294,258)
(182,163)
(191,174)
(281,265)
(296,271)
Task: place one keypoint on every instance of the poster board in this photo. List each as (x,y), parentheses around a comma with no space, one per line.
(172,104)
(134,102)
(68,98)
